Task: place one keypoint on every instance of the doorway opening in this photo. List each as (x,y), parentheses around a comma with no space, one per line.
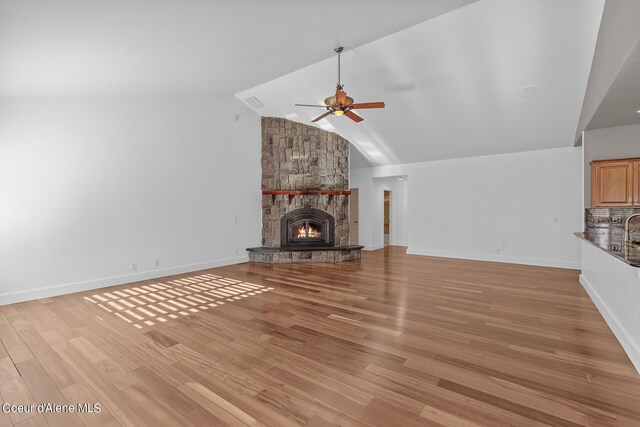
(389,211)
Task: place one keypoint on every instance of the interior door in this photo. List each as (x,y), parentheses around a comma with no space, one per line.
(354,227)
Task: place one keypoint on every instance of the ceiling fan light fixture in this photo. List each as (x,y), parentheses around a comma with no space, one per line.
(338,112)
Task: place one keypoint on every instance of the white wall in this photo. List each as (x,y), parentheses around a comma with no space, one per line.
(90,185)
(399,201)
(499,208)
(610,143)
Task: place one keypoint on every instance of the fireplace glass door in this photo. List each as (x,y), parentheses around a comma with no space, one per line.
(307,227)
(306,230)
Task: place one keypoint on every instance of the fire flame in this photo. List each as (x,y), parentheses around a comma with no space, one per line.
(313,233)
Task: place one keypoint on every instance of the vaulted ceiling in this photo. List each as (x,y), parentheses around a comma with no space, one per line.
(495,76)
(106,47)
(459,77)
(621,104)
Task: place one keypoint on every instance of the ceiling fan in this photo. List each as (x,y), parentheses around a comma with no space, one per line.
(340,103)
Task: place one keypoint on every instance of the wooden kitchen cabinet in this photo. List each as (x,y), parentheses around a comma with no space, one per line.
(615,183)
(636,182)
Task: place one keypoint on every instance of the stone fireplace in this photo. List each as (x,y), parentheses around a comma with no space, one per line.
(305,195)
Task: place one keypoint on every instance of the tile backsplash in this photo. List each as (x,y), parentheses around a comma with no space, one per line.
(608,217)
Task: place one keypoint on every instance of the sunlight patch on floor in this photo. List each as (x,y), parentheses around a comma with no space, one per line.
(159,302)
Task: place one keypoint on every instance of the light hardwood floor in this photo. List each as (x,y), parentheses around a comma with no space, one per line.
(391,340)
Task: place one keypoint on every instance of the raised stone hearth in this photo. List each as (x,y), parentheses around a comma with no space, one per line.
(280,255)
(305,170)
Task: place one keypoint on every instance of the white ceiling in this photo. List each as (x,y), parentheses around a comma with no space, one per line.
(450,71)
(621,104)
(83,47)
(453,85)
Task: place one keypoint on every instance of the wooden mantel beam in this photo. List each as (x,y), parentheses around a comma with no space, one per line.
(306,192)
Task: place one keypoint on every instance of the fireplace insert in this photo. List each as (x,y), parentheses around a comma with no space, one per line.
(307,227)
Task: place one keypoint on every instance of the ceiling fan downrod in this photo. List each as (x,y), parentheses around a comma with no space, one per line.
(339,50)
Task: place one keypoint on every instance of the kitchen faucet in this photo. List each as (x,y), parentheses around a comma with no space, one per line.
(627,233)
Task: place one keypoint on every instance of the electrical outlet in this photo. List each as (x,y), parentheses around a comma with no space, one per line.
(134,266)
(556,219)
(235,219)
(236,252)
(157,263)
(498,251)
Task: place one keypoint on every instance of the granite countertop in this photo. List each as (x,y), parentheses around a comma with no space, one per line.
(610,241)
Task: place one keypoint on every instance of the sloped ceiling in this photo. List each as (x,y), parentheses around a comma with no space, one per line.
(107,47)
(613,92)
(457,85)
(621,104)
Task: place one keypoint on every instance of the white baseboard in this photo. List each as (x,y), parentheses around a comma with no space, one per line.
(69,288)
(631,347)
(575,265)
(373,247)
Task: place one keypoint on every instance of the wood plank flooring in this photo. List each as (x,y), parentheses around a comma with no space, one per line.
(391,340)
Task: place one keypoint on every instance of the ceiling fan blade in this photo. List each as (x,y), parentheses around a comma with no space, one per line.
(321,117)
(368,105)
(353,116)
(309,105)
